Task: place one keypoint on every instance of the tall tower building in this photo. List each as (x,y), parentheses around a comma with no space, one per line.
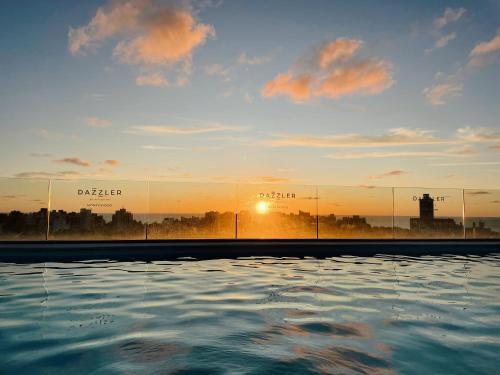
(426,211)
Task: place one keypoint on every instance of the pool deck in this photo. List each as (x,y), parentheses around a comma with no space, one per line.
(40,251)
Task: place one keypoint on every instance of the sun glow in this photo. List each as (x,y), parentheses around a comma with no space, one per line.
(262,207)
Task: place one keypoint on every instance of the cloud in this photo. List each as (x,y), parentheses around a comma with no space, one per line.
(171,35)
(97,122)
(203,4)
(442,41)
(36,155)
(159,129)
(367,77)
(74,161)
(298,88)
(115,18)
(243,59)
(480,134)
(111,162)
(152,34)
(153,79)
(11,196)
(339,49)
(394,137)
(157,147)
(439,94)
(402,154)
(253,179)
(478,192)
(174,148)
(46,134)
(450,15)
(47,174)
(273,179)
(333,72)
(485,52)
(218,70)
(466,164)
(394,173)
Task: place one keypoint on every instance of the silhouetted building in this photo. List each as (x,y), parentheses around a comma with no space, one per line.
(427,223)
(426,206)
(122,219)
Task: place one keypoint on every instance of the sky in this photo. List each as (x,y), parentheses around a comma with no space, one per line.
(358,93)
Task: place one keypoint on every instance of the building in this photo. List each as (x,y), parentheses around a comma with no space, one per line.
(426,207)
(426,222)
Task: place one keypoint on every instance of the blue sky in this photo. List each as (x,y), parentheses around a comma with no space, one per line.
(412,100)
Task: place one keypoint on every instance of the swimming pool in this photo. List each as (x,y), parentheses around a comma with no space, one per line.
(376,315)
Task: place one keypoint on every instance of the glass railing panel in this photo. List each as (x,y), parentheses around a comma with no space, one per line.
(428,213)
(91,210)
(23,209)
(181,210)
(355,212)
(276,211)
(482,213)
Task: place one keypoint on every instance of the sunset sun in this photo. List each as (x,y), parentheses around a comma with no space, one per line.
(262,207)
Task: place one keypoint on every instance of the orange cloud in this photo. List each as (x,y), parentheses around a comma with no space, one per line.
(334,73)
(484,52)
(442,41)
(98,122)
(395,137)
(401,154)
(111,162)
(297,88)
(68,174)
(154,79)
(273,179)
(153,34)
(170,35)
(394,173)
(38,155)
(441,93)
(117,17)
(159,129)
(479,134)
(366,77)
(74,161)
(339,49)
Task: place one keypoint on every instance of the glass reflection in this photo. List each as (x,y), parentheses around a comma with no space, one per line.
(482,211)
(428,213)
(349,212)
(86,210)
(23,209)
(277,211)
(191,211)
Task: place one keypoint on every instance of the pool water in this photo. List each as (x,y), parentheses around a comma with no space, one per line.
(344,315)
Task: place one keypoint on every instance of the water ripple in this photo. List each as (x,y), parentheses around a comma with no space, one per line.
(340,315)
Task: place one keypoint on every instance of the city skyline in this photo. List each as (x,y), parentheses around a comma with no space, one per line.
(263,221)
(185,197)
(268,92)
